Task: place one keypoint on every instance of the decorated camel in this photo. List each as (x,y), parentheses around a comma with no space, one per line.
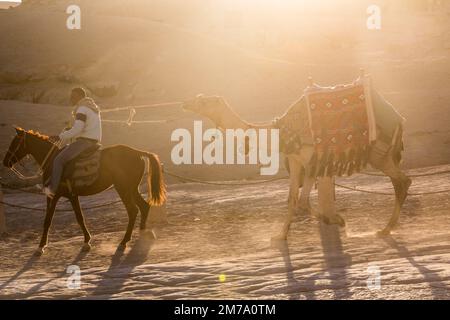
(328,132)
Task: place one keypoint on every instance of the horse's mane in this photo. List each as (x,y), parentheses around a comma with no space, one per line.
(36,134)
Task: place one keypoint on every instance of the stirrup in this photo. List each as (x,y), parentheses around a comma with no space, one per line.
(48,192)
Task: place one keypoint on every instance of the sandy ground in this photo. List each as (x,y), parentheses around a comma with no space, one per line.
(144,54)
(216,230)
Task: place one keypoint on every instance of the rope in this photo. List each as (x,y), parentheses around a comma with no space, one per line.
(390,194)
(283,178)
(156,105)
(219,184)
(60,210)
(409,176)
(224,183)
(132,110)
(134,121)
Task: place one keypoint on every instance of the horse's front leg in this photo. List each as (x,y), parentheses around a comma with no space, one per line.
(80,219)
(50,212)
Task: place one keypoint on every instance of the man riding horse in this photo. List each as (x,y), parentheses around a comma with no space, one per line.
(120,166)
(86,130)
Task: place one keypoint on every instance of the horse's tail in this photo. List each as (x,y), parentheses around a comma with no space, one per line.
(155,180)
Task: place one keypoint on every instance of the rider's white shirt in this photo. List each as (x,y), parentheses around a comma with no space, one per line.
(90,125)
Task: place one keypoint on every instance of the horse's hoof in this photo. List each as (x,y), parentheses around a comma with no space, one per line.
(86,246)
(122,247)
(39,251)
(384,233)
(148,234)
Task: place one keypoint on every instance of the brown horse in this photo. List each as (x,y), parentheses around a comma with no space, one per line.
(120,166)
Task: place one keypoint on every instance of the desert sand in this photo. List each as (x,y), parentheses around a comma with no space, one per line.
(260,63)
(216,230)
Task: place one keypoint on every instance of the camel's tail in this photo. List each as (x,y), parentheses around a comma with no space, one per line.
(155,180)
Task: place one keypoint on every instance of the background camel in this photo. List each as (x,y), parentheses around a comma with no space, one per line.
(216,109)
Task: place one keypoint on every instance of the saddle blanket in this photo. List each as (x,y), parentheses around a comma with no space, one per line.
(342,124)
(84,170)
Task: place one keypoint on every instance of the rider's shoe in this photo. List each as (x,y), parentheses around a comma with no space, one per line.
(49,193)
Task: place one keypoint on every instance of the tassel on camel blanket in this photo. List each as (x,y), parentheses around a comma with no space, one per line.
(313,164)
(331,166)
(365,157)
(341,164)
(351,164)
(358,160)
(323,164)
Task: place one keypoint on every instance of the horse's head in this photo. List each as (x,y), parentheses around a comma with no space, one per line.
(205,106)
(17,149)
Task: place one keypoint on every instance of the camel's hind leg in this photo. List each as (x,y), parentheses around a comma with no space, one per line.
(401,185)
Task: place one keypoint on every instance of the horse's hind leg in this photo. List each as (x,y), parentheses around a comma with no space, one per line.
(80,219)
(144,208)
(401,185)
(132,210)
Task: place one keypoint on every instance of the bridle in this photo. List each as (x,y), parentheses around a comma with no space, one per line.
(13,156)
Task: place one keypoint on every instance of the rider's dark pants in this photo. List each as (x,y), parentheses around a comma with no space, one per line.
(69,153)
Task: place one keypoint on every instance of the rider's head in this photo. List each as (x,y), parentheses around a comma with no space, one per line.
(76,95)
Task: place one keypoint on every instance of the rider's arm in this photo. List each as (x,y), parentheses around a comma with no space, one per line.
(77,128)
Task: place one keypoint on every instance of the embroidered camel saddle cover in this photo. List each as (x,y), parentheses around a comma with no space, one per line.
(342,124)
(84,170)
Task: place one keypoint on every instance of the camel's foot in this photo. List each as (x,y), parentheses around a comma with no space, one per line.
(40,251)
(86,246)
(384,233)
(334,220)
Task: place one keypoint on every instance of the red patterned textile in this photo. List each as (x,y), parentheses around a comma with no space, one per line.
(340,127)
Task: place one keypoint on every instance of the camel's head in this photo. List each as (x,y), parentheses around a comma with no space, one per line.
(204,105)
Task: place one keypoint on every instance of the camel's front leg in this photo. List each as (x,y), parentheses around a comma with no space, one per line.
(326,189)
(295,168)
(304,204)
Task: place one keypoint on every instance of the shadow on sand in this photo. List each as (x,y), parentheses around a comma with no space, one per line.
(122,265)
(28,266)
(430,276)
(336,263)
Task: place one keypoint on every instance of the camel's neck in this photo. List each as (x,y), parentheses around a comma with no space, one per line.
(224,117)
(38,148)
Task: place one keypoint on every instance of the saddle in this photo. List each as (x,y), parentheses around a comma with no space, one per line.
(83,171)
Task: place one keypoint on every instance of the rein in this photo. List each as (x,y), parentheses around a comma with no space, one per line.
(41,166)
